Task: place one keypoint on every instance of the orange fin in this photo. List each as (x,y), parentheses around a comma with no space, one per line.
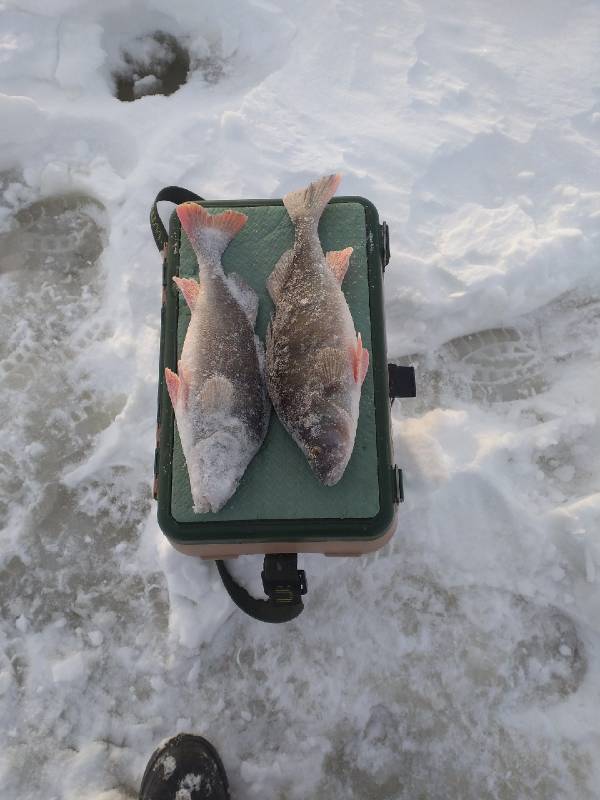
(173,385)
(190,289)
(193,218)
(209,234)
(364,366)
(337,261)
(361,361)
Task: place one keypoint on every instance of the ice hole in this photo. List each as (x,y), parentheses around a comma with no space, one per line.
(156,63)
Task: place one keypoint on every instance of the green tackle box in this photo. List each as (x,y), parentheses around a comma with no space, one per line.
(280,507)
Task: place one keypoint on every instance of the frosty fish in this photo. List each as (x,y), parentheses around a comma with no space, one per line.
(219,393)
(316,363)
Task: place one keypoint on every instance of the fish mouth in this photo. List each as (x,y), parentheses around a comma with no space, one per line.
(202,506)
(216,466)
(202,503)
(329,455)
(328,469)
(211,499)
(205,505)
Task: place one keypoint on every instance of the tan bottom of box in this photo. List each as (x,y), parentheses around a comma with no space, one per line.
(341,548)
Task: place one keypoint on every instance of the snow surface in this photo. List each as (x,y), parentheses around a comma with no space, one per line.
(463,660)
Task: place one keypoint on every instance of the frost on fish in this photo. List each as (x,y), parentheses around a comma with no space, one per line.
(316,363)
(218,394)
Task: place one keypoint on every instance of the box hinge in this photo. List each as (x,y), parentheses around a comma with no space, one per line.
(402,381)
(384,234)
(156,462)
(397,484)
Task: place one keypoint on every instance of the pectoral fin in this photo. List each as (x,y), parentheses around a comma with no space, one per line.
(178,386)
(360,361)
(331,365)
(216,395)
(173,383)
(189,288)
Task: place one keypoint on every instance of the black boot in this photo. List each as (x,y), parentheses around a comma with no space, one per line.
(186,767)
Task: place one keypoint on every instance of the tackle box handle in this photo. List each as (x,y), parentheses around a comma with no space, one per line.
(282,581)
(172,194)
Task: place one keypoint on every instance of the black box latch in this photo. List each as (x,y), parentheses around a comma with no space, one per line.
(385,244)
(398,485)
(401,381)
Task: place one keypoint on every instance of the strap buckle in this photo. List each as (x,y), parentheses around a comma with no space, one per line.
(282,581)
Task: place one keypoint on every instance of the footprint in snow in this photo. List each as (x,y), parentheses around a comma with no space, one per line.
(499,364)
(62,236)
(535,647)
(501,645)
(50,284)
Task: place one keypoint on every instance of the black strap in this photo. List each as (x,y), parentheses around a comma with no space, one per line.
(172,194)
(283,582)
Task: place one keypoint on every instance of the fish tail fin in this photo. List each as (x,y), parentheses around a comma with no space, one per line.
(310,203)
(209,234)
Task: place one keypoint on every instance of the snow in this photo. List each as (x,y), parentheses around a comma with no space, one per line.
(463,660)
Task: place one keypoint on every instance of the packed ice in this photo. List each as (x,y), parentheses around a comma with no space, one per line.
(462,660)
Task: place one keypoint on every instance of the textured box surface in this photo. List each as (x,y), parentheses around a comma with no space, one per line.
(278,483)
